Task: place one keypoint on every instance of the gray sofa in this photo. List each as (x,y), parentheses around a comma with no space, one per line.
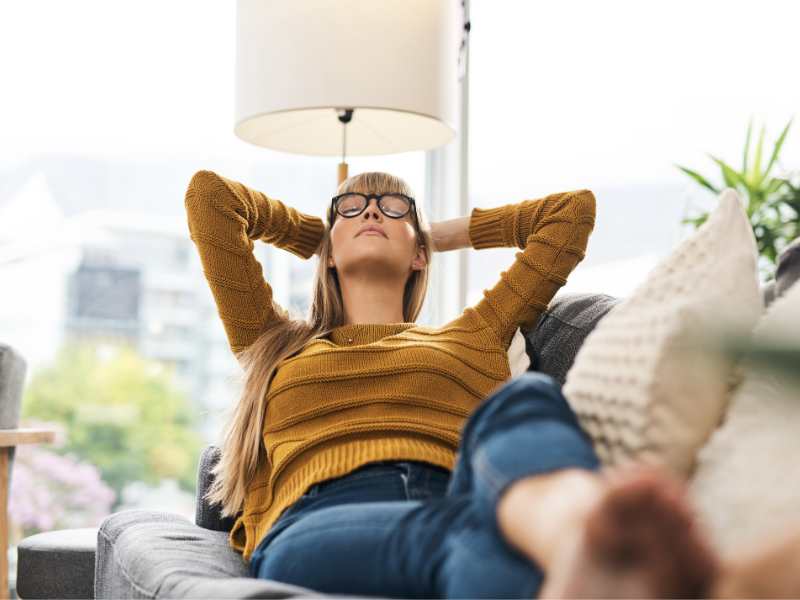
(147,554)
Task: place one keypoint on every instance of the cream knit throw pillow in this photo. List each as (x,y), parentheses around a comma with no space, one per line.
(518,359)
(746,487)
(638,385)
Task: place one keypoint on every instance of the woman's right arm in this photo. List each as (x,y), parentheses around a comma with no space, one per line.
(553,234)
(224,217)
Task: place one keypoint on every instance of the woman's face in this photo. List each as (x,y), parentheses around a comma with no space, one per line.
(389,252)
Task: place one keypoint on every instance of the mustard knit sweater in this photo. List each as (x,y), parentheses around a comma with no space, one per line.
(369,392)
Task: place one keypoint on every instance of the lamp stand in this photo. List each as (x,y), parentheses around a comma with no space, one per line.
(345,116)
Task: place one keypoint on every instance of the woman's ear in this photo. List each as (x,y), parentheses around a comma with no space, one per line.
(419,261)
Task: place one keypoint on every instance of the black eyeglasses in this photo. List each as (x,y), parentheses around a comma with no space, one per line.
(351,204)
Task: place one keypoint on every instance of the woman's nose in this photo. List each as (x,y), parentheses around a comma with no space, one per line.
(372,209)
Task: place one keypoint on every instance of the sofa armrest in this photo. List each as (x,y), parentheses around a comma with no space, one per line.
(153,554)
(57,564)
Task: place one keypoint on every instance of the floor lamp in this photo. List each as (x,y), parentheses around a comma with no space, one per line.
(323,77)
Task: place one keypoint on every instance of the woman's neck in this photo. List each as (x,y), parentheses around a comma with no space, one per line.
(367,300)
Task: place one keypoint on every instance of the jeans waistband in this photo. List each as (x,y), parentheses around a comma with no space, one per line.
(389,467)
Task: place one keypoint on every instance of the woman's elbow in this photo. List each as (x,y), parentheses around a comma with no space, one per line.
(586,204)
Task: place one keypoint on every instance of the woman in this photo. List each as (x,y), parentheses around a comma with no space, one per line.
(368,455)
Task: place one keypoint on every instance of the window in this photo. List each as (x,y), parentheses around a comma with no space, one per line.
(571,95)
(92,215)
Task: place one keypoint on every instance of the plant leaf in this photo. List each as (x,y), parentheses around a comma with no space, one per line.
(747,146)
(755,173)
(775,184)
(698,178)
(777,148)
(731,177)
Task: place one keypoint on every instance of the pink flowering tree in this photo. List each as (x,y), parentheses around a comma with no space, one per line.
(51,491)
(127,415)
(121,419)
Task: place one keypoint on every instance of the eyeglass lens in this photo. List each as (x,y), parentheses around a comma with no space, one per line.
(350,205)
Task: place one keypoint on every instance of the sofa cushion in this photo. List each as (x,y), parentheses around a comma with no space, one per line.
(641,386)
(746,487)
(151,554)
(518,359)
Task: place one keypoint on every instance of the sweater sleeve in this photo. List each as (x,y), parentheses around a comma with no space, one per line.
(224,218)
(552,233)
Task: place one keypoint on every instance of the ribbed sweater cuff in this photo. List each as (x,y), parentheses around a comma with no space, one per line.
(490,228)
(309,234)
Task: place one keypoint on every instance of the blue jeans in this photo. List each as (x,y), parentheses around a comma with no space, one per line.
(410,529)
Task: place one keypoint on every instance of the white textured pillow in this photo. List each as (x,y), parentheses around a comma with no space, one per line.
(518,359)
(638,385)
(746,487)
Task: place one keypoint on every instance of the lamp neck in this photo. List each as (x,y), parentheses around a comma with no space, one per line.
(345,116)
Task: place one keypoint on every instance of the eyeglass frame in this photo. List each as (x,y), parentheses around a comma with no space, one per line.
(412,206)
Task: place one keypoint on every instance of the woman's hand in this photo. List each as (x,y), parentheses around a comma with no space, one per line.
(452,234)
(435,233)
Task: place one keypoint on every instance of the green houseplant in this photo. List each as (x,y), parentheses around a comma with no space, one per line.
(772,203)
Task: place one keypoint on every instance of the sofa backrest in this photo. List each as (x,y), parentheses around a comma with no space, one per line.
(205,514)
(561,330)
(788,271)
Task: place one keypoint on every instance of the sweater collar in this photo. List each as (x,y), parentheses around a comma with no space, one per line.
(365,333)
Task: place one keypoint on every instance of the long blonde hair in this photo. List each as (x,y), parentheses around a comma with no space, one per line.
(242,447)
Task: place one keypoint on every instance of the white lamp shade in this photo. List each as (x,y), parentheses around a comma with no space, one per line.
(395,62)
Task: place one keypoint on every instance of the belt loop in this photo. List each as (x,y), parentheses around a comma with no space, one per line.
(405,471)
